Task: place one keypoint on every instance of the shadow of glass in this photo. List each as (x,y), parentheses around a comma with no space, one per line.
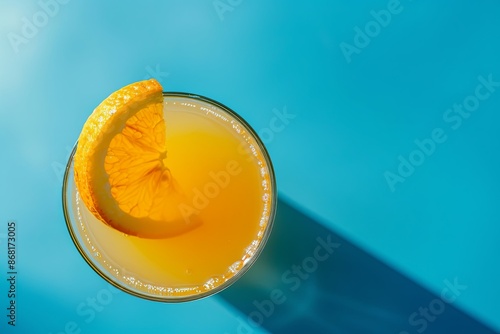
(311,280)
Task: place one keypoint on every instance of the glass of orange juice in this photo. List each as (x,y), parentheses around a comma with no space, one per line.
(229,198)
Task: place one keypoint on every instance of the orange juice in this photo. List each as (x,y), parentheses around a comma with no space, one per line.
(226,180)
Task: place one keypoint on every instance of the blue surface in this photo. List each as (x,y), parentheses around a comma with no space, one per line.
(355,104)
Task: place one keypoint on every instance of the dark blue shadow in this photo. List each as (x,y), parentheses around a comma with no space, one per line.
(339,288)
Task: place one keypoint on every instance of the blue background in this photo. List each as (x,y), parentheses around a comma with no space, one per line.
(351,118)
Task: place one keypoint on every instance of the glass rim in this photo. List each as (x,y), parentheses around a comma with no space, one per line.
(172,299)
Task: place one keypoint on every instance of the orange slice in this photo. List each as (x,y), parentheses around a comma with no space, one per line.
(121,168)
